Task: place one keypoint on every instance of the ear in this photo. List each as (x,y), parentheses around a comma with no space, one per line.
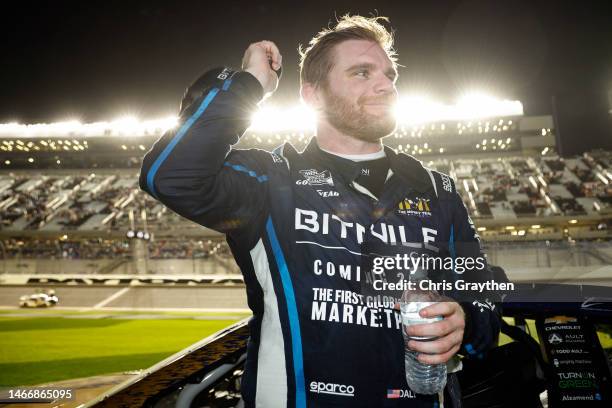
(310,95)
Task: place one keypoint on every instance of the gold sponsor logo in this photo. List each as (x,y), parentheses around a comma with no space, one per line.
(415,206)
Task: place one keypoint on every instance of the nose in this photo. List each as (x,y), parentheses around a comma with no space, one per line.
(384,85)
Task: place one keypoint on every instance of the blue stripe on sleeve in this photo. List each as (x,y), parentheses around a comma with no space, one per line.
(243,169)
(179,135)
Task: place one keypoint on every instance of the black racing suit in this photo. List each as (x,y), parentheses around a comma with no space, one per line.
(297,227)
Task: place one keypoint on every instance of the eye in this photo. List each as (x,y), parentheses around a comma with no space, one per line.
(362,73)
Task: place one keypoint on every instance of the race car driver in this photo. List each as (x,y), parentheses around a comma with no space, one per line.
(298,223)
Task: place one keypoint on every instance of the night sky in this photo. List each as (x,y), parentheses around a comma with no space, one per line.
(91,60)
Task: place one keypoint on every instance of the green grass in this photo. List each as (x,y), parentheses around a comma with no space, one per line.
(36,350)
(69,312)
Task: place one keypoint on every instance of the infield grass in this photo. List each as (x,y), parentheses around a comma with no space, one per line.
(35,350)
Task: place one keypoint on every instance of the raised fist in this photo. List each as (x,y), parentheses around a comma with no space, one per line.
(261,59)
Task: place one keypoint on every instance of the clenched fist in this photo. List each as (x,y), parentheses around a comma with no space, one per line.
(257,60)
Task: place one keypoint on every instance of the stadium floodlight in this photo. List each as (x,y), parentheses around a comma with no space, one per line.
(415,109)
(9,128)
(410,111)
(479,105)
(273,119)
(122,126)
(40,129)
(125,125)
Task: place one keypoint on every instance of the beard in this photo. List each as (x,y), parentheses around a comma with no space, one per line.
(355,121)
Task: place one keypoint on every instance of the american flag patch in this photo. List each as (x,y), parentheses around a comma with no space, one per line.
(393,393)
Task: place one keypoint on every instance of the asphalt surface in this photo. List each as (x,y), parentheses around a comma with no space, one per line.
(136,298)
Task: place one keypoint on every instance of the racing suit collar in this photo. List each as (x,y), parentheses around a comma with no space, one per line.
(403,165)
(347,169)
(409,170)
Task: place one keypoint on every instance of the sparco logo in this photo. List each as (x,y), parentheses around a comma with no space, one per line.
(315,178)
(331,388)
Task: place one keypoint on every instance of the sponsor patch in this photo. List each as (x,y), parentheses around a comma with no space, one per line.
(319,387)
(554,338)
(415,206)
(560,320)
(224,74)
(446,183)
(324,193)
(316,178)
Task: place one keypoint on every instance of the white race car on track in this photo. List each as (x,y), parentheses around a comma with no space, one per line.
(41,299)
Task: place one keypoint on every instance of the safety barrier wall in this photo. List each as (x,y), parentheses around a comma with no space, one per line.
(121,266)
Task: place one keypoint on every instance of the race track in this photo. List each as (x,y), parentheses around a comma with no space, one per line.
(117,297)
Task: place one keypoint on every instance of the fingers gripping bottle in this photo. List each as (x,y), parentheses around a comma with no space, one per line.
(422,378)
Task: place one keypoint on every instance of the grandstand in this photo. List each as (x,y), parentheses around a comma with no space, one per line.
(541,216)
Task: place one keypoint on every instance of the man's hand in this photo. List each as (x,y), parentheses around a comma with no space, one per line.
(257,60)
(449,333)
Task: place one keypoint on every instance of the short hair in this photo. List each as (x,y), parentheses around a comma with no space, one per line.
(316,60)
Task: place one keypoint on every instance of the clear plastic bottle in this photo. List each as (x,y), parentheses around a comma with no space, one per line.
(422,378)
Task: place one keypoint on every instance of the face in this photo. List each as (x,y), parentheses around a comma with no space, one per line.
(360,92)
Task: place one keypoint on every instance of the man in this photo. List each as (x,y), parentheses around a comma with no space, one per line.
(297,223)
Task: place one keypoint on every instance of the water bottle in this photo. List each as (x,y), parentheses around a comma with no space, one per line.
(422,378)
